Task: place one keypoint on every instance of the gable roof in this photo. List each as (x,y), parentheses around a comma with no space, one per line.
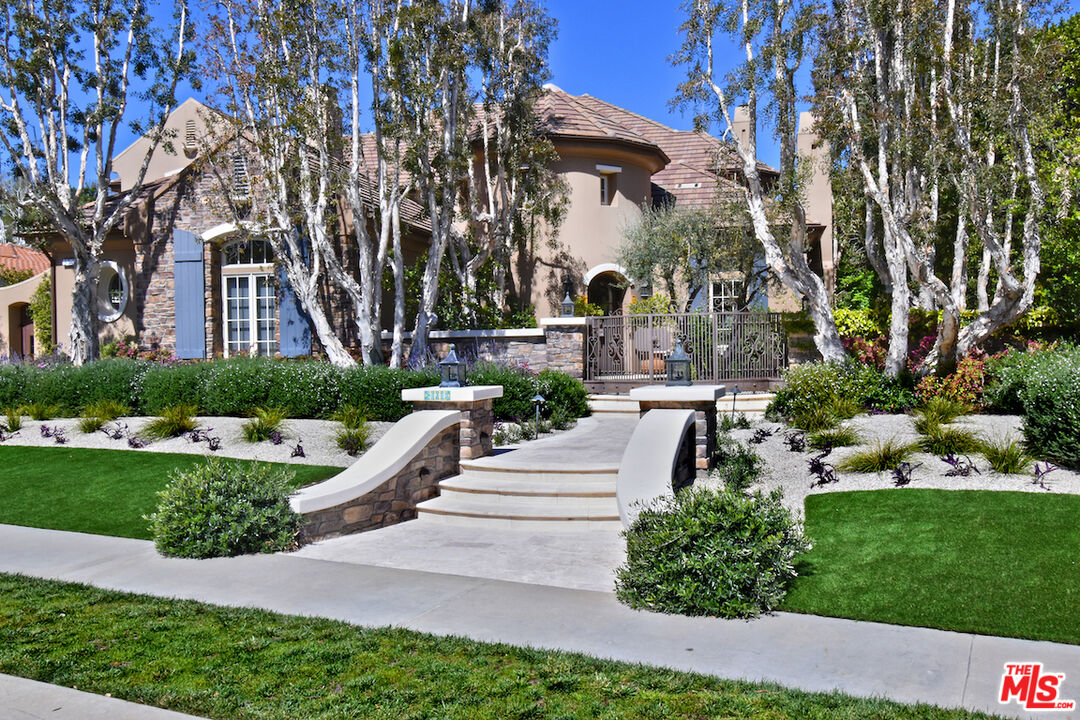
(23,259)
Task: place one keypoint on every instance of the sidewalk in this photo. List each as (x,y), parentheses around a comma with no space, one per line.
(22,699)
(813,653)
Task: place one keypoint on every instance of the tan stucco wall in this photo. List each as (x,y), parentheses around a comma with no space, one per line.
(126,165)
(119,251)
(592,232)
(12,297)
(815,151)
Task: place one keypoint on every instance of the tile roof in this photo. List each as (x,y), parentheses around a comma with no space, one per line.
(23,259)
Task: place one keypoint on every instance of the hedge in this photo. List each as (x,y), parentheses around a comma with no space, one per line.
(303,389)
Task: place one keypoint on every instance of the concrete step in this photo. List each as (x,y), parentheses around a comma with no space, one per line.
(460,505)
(749,403)
(576,487)
(575,504)
(492,470)
(544,526)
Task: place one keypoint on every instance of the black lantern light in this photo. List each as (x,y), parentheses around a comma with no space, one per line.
(566,308)
(678,366)
(451,370)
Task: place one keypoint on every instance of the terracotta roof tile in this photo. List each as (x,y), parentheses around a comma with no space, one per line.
(23,259)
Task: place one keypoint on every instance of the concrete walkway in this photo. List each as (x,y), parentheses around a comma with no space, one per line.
(813,653)
(22,699)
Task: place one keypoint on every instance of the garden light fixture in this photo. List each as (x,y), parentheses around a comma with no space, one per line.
(451,370)
(678,366)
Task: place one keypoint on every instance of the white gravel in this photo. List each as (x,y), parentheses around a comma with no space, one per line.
(316,436)
(790,470)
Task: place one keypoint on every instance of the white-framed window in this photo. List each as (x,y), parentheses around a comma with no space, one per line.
(725,295)
(608,183)
(250,299)
(112,292)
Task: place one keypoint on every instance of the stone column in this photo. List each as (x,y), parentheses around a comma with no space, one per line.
(474,403)
(699,398)
(564,344)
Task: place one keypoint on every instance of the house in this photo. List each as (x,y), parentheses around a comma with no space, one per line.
(16,323)
(178,275)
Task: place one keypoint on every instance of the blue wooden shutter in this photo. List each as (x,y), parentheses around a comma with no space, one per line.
(294,329)
(190,303)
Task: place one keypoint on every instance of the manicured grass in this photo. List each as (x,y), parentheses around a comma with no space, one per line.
(230,663)
(995,563)
(106,492)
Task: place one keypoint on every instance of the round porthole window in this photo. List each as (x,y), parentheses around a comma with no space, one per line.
(112,293)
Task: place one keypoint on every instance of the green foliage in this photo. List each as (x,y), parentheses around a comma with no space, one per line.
(263,422)
(173,422)
(711,552)
(964,386)
(938,410)
(163,386)
(944,440)
(655,304)
(96,414)
(377,389)
(41,314)
(584,308)
(235,386)
(40,411)
(563,393)
(856,323)
(812,389)
(891,395)
(816,419)
(91,423)
(221,509)
(1010,372)
(12,419)
(353,440)
(737,465)
(1006,455)
(842,436)
(11,276)
(878,458)
(1051,402)
(351,416)
(728,422)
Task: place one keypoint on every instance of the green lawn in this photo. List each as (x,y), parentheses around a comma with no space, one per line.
(249,664)
(95,491)
(995,563)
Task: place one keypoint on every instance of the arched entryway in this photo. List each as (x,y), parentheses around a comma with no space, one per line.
(607,285)
(20,330)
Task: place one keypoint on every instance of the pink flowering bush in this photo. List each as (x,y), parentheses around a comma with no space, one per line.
(964,386)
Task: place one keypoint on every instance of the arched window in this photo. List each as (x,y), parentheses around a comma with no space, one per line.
(112,292)
(250,298)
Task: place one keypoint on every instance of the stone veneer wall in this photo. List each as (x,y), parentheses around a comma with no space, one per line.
(554,346)
(396,499)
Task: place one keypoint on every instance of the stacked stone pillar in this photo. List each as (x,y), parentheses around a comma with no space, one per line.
(474,403)
(699,398)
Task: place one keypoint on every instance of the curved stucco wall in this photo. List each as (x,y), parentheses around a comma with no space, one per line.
(12,298)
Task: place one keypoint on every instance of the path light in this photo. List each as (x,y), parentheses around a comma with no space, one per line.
(734,393)
(678,366)
(451,370)
(538,400)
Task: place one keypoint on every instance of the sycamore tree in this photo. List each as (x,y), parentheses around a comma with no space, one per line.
(276,60)
(930,101)
(773,37)
(73,75)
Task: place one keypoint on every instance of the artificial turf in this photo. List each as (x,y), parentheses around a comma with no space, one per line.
(254,665)
(994,563)
(106,492)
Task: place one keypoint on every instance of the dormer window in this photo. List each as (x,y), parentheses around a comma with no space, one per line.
(241,181)
(608,186)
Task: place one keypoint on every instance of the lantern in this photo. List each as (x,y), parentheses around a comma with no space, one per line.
(566,307)
(678,366)
(451,370)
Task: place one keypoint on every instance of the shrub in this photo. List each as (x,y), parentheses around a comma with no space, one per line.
(353,440)
(304,389)
(39,411)
(816,419)
(1009,374)
(223,508)
(711,552)
(1006,456)
(891,395)
(730,421)
(856,323)
(1051,403)
(350,416)
(108,410)
(945,440)
(941,411)
(838,437)
(378,389)
(236,385)
(737,465)
(964,386)
(518,389)
(563,393)
(13,382)
(881,457)
(841,387)
(12,419)
(263,422)
(163,386)
(174,422)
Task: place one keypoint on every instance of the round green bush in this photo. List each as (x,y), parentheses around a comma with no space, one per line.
(717,552)
(1051,403)
(305,389)
(223,508)
(377,389)
(163,386)
(563,392)
(518,389)
(236,385)
(115,379)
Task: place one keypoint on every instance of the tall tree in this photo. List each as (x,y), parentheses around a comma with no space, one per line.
(68,71)
(932,99)
(276,60)
(773,36)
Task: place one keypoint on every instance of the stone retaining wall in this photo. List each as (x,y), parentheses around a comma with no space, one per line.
(396,499)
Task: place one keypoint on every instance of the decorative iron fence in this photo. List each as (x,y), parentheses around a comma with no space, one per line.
(721,346)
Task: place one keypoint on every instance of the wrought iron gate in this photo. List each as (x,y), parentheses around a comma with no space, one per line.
(631,349)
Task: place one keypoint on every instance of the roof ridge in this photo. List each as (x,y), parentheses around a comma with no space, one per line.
(631,112)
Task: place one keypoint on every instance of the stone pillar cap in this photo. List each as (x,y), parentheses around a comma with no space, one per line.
(469,393)
(685,393)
